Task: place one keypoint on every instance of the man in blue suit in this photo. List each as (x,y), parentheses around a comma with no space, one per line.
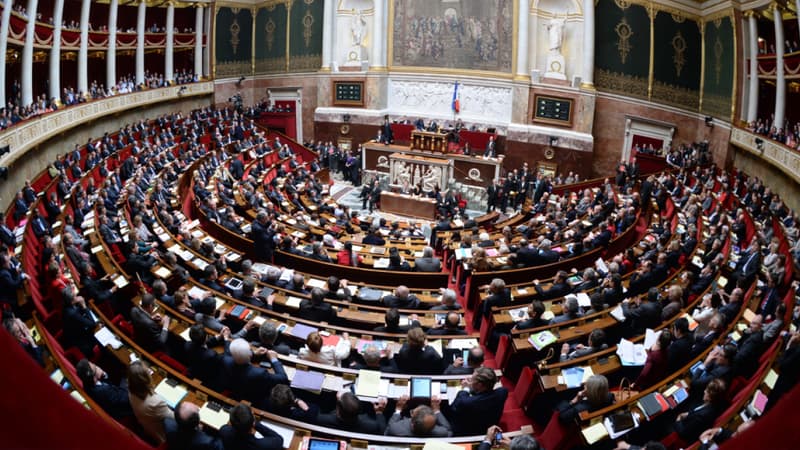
(480,405)
(247,381)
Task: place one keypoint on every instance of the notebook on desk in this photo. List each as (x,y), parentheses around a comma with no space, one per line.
(301,331)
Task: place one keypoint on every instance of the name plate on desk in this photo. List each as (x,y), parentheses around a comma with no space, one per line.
(552,110)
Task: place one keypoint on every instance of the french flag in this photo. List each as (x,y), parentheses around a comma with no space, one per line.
(456,100)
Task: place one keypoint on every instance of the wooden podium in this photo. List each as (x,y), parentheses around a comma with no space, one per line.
(429,140)
(407,205)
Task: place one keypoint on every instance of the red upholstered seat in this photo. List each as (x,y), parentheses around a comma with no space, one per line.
(558,436)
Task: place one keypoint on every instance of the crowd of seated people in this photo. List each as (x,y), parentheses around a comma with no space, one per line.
(479,404)
(788,134)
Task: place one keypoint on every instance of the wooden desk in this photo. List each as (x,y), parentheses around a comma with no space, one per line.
(406,205)
(429,140)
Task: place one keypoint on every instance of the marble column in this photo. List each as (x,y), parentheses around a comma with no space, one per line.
(377,58)
(587,73)
(3,47)
(55,52)
(780,75)
(752,101)
(169,50)
(198,41)
(328,31)
(83,50)
(140,30)
(523,38)
(27,54)
(207,49)
(111,54)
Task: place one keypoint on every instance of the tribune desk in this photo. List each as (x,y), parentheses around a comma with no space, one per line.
(408,205)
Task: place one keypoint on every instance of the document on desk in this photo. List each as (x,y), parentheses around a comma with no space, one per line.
(293,302)
(284,432)
(214,415)
(308,380)
(583,300)
(196,292)
(463,343)
(105,337)
(436,444)
(171,391)
(631,354)
(317,283)
(617,313)
(368,383)
(437,345)
(594,433)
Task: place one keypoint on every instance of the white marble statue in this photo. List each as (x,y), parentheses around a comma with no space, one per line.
(357,27)
(555,30)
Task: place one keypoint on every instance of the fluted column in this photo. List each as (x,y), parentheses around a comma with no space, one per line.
(377,58)
(55,51)
(111,54)
(83,50)
(780,75)
(140,30)
(169,50)
(587,75)
(522,38)
(752,101)
(27,54)
(3,47)
(198,41)
(327,34)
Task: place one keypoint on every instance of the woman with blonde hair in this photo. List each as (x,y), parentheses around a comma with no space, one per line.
(149,408)
(595,395)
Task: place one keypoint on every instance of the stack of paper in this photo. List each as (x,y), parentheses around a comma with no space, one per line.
(214,416)
(105,337)
(171,391)
(631,354)
(368,383)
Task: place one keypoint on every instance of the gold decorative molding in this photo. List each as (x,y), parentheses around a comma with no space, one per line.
(621,83)
(624,33)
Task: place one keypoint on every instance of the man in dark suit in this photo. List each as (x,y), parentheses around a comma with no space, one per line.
(642,312)
(747,268)
(316,309)
(20,207)
(527,256)
(241,433)
(237,169)
(416,357)
(546,254)
(499,295)
(202,362)
(491,148)
(247,381)
(751,347)
(680,350)
(392,323)
(559,288)
(450,327)
(6,235)
(261,232)
(113,399)
(39,225)
(348,416)
(479,406)
(149,328)
(77,323)
(184,430)
(428,262)
(402,298)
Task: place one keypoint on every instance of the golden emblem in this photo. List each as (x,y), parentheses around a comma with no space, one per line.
(624,33)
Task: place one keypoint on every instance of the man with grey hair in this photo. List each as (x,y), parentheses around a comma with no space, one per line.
(375,360)
(546,254)
(448,301)
(249,382)
(262,233)
(423,421)
(428,262)
(521,442)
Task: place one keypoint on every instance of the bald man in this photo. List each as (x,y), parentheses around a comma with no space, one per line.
(401,299)
(185,432)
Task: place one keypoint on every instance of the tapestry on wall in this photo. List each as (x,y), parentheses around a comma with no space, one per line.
(622,48)
(677,62)
(305,42)
(271,38)
(720,66)
(233,43)
(465,34)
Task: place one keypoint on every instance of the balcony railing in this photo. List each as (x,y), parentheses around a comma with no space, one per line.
(775,153)
(27,135)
